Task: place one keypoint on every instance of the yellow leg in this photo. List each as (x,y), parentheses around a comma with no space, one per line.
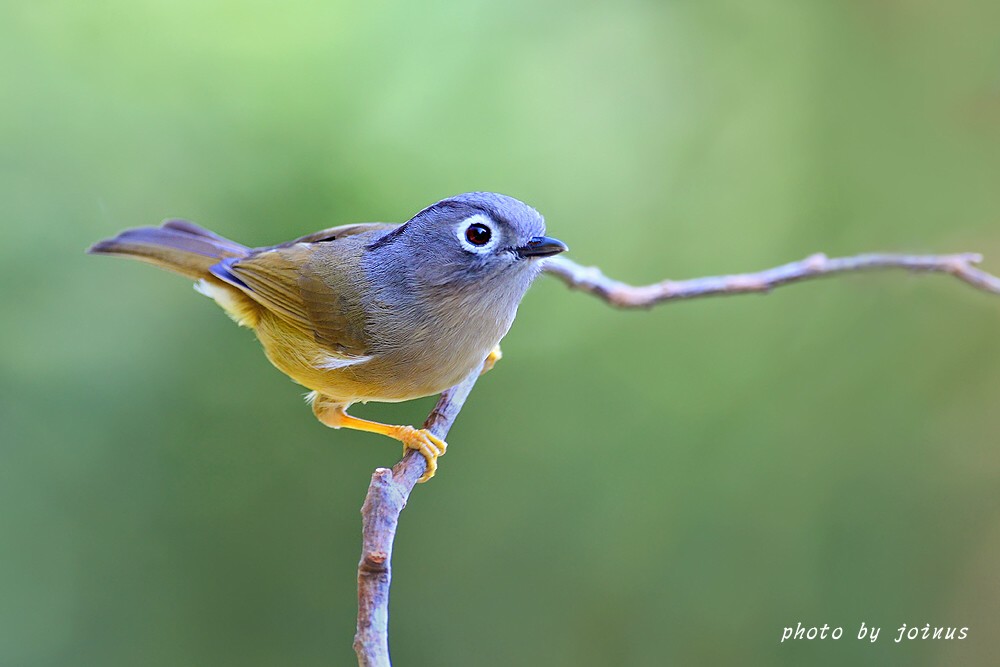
(422,440)
(492,358)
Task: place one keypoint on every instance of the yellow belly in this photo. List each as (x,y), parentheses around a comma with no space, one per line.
(388,377)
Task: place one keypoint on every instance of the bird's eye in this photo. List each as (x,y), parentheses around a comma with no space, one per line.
(478,234)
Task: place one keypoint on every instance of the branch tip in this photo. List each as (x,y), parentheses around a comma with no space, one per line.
(623,295)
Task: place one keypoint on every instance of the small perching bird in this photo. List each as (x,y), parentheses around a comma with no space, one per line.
(369,312)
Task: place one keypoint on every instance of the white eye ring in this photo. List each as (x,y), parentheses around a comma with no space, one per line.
(479,219)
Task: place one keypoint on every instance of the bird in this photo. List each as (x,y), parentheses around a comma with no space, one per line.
(382,312)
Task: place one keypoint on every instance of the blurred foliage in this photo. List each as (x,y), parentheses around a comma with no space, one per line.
(627,488)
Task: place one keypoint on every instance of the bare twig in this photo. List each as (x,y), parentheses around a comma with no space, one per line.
(591,280)
(389,489)
(386,498)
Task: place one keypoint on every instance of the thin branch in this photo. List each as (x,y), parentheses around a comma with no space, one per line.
(390,489)
(622,295)
(386,498)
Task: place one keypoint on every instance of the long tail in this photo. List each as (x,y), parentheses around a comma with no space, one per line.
(177,245)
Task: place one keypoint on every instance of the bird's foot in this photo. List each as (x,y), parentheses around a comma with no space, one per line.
(429,445)
(491,359)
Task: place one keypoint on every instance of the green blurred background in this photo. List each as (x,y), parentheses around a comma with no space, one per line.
(671,486)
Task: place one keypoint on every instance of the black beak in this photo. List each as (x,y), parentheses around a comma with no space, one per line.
(541,246)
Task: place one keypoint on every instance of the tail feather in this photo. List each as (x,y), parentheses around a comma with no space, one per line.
(177,245)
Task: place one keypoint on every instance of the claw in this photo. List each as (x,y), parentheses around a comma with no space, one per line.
(429,445)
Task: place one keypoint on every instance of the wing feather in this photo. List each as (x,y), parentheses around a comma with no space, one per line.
(271,279)
(335,233)
(307,282)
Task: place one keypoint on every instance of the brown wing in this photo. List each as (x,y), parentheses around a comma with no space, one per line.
(311,283)
(271,278)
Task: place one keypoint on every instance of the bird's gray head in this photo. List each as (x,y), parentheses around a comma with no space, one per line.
(477,236)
